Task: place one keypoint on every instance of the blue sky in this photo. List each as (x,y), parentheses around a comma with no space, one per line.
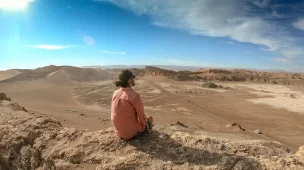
(263,34)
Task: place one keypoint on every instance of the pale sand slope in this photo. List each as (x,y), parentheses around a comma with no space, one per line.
(54,97)
(35,141)
(8,74)
(278,96)
(232,105)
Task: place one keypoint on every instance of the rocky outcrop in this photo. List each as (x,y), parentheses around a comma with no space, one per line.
(300,154)
(210,85)
(183,76)
(238,78)
(4,97)
(219,71)
(138,72)
(35,141)
(154,71)
(243,75)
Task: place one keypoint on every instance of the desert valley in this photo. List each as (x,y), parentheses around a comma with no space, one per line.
(261,113)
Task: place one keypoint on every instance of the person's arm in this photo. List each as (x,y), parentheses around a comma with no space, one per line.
(139,108)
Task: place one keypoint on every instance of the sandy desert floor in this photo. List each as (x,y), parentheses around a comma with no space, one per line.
(276,110)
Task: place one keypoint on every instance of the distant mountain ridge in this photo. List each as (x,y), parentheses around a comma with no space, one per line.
(176,67)
(168,67)
(69,74)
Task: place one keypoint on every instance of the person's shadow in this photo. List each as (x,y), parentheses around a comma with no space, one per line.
(161,146)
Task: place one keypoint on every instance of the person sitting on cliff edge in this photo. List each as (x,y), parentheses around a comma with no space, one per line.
(127,109)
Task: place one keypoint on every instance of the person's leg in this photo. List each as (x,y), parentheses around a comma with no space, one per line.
(150,120)
(148,126)
(147,129)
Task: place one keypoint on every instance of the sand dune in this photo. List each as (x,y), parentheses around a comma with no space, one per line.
(59,77)
(8,74)
(28,75)
(60,73)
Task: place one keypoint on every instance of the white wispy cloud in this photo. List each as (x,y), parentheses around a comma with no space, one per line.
(293,52)
(49,47)
(299,24)
(228,42)
(113,52)
(260,3)
(281,60)
(227,18)
(275,15)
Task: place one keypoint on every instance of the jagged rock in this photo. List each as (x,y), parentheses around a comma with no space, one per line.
(292,96)
(300,154)
(224,78)
(237,78)
(154,71)
(35,141)
(179,124)
(235,125)
(17,107)
(210,85)
(4,97)
(181,76)
(219,71)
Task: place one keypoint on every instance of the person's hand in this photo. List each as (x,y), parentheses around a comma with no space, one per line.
(150,120)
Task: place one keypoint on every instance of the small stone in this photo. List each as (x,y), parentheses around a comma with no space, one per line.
(257,131)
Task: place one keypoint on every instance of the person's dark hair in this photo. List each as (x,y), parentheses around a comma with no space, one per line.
(123,78)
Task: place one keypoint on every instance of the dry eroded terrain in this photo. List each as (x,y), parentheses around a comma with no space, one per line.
(276,110)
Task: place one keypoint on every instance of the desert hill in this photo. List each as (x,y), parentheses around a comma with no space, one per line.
(8,74)
(35,141)
(27,74)
(76,74)
(237,75)
(60,73)
(80,75)
(166,67)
